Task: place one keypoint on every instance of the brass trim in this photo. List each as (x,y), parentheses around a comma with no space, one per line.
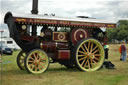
(56,44)
(57,36)
(61,34)
(41,45)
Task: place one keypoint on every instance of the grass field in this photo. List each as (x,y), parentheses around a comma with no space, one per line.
(60,75)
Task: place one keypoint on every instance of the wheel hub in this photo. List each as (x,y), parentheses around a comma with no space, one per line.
(89,54)
(37,61)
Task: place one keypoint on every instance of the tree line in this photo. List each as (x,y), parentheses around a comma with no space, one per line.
(120,33)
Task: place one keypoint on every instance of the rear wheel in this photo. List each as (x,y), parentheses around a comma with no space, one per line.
(89,55)
(36,61)
(20,60)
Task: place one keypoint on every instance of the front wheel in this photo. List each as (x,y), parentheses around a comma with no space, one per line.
(89,55)
(36,61)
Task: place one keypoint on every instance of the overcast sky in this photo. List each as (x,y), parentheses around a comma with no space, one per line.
(101,9)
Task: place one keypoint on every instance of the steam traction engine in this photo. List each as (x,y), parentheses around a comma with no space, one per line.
(73,42)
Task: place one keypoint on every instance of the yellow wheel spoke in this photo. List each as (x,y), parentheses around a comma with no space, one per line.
(35,56)
(86,48)
(94,48)
(82,62)
(81,52)
(31,66)
(94,61)
(86,63)
(82,58)
(95,51)
(22,57)
(39,67)
(35,68)
(39,55)
(41,64)
(44,59)
(91,47)
(96,58)
(88,45)
(32,58)
(30,61)
(97,55)
(83,48)
(21,63)
(91,61)
(81,55)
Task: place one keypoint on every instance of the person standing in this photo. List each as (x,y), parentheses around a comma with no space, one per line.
(0,59)
(106,48)
(123,51)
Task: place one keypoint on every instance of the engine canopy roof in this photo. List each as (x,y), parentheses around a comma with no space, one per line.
(60,21)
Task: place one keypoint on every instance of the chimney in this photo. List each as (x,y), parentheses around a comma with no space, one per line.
(34,11)
(35,7)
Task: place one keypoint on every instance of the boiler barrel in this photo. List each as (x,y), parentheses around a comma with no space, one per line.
(52,46)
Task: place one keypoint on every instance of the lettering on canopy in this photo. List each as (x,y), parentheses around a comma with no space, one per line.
(61,22)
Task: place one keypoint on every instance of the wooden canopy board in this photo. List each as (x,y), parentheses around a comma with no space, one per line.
(62,21)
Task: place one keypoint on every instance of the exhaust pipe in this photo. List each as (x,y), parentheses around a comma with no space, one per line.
(34,11)
(35,7)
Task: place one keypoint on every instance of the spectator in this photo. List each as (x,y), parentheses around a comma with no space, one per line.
(106,48)
(122,50)
(120,53)
(0,59)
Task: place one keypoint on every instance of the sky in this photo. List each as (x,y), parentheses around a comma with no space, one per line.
(100,9)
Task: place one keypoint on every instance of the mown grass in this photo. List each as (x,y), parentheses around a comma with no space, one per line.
(60,75)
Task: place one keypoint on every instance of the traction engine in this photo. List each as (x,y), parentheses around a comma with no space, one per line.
(72,42)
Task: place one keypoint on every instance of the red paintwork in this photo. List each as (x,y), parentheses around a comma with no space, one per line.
(63,54)
(51,46)
(29,38)
(79,34)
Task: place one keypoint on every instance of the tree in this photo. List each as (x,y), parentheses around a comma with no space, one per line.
(119,33)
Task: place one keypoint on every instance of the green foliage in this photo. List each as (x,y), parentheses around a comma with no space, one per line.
(119,33)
